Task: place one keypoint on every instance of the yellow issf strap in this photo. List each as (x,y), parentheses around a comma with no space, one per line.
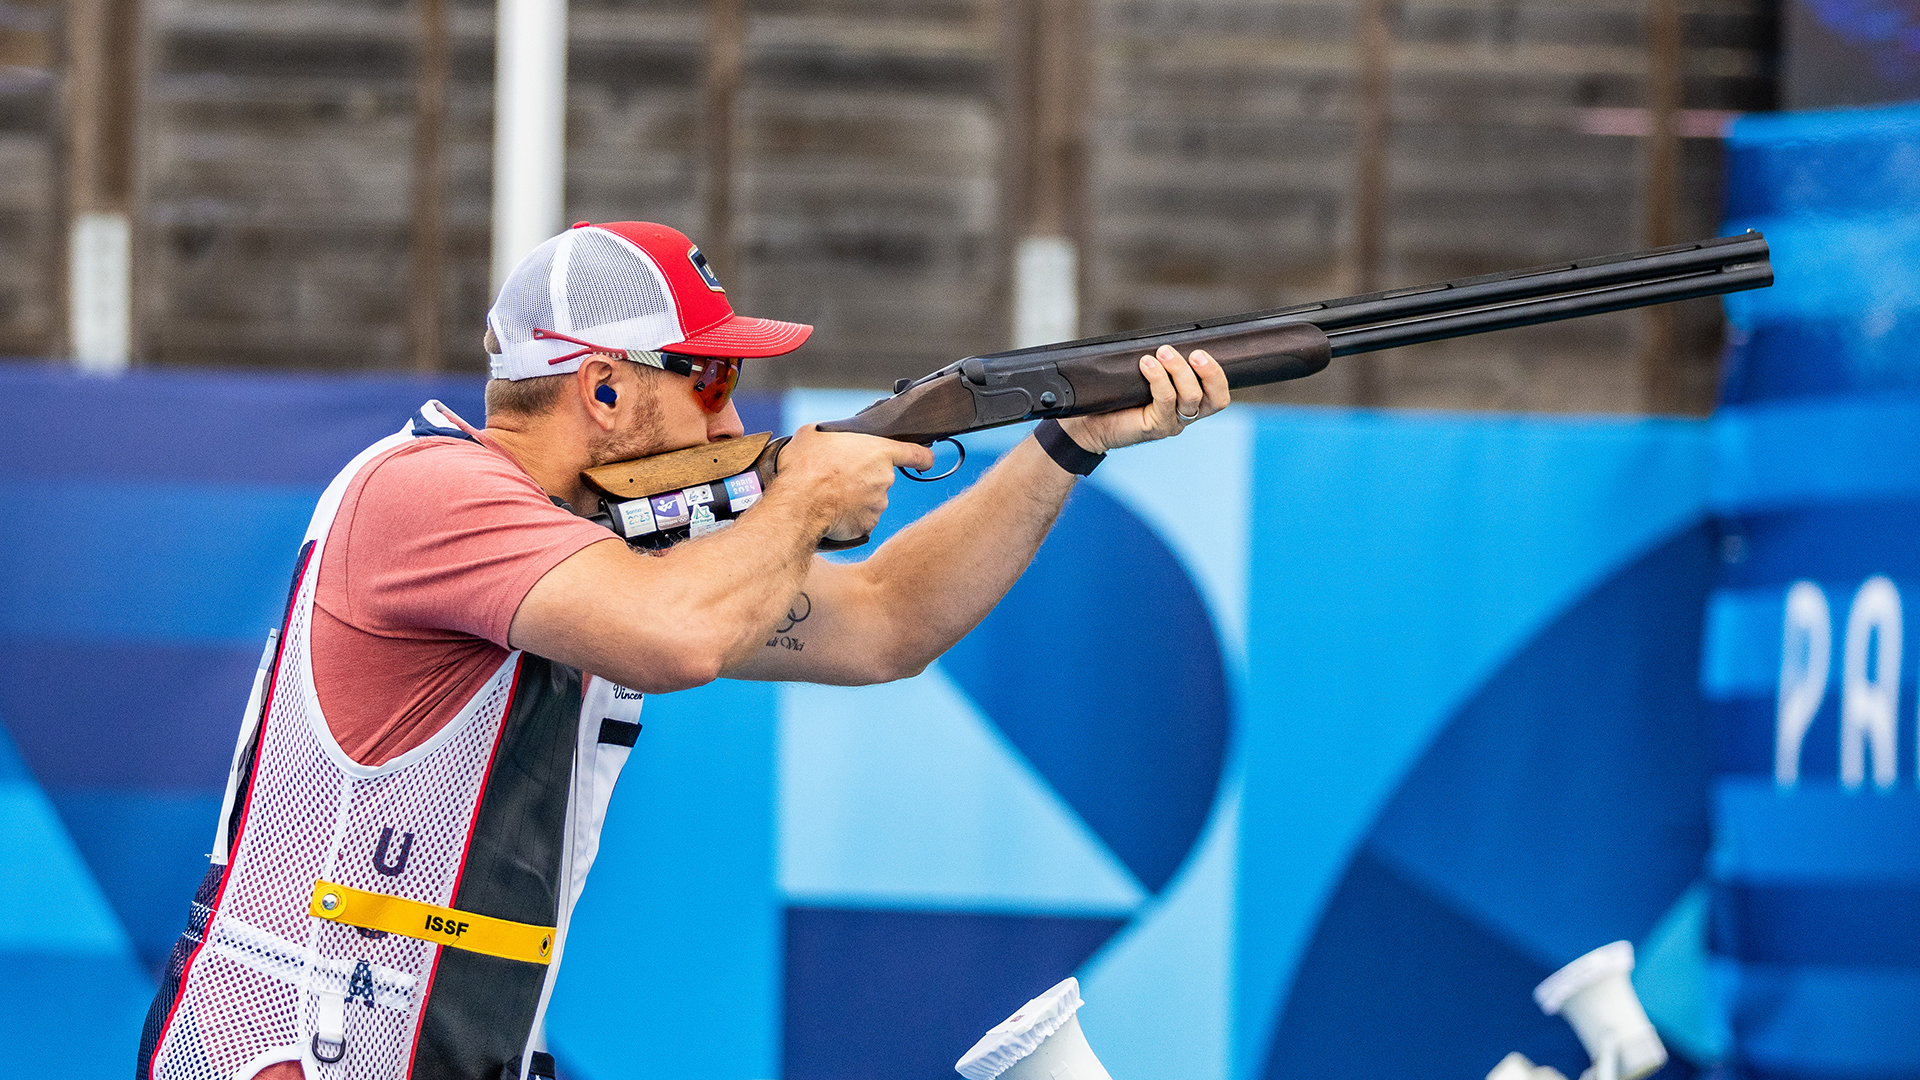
(441,925)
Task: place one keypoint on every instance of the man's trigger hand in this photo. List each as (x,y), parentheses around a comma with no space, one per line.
(845,477)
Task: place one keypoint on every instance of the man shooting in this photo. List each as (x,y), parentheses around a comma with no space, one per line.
(460,673)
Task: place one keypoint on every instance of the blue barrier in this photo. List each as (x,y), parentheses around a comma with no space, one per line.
(1311,742)
(1816,905)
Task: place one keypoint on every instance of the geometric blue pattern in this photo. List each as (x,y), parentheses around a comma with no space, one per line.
(1134,749)
(1103,678)
(151,524)
(1815,886)
(1534,826)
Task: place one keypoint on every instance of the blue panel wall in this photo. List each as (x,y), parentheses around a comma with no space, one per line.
(1472,743)
(150,526)
(150,529)
(1312,740)
(1809,663)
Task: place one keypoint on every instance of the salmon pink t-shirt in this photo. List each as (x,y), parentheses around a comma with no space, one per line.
(435,545)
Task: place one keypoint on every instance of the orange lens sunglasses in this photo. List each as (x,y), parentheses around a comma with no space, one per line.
(713,380)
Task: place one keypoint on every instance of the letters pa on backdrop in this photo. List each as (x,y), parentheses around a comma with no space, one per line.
(1869,681)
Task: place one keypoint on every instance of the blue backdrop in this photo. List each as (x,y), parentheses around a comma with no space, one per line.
(1311,741)
(1816,914)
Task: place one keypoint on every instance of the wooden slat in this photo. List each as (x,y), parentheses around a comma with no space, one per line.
(27,48)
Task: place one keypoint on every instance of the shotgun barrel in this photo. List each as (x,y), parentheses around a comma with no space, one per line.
(1099,374)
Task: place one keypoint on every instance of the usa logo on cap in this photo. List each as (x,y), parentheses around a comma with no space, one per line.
(706,272)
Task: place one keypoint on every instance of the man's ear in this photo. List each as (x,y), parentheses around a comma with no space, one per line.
(593,382)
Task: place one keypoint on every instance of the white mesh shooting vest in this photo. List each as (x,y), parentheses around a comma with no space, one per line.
(488,829)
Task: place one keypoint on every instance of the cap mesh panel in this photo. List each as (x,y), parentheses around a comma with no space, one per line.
(526,299)
(608,283)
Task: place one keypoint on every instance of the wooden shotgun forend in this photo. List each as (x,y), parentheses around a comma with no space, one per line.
(1101,376)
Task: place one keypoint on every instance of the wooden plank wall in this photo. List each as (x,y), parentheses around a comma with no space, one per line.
(1224,170)
(32,300)
(275,146)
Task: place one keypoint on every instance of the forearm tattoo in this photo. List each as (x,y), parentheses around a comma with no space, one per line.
(784,635)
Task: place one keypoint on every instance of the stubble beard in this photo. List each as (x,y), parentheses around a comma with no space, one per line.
(639,437)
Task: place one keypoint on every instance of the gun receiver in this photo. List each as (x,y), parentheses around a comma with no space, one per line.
(1100,374)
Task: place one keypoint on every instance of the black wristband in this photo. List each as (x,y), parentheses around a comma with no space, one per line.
(1065,453)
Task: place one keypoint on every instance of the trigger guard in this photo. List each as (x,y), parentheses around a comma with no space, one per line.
(921,478)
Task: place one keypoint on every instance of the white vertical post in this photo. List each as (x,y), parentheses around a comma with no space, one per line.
(101,96)
(99,292)
(1048,42)
(529,128)
(1046,296)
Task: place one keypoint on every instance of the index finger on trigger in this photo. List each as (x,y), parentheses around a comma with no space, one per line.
(913,456)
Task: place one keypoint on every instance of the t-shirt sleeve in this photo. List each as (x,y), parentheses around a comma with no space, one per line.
(449,539)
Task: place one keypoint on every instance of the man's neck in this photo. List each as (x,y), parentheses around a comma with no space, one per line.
(549,456)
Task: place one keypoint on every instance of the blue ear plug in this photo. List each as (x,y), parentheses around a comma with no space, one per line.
(605,394)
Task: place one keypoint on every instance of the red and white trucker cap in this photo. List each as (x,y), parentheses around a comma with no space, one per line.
(629,285)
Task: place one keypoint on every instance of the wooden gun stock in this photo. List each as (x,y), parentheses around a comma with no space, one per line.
(713,476)
(679,469)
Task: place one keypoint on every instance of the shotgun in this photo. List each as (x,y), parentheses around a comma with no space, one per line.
(657,501)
